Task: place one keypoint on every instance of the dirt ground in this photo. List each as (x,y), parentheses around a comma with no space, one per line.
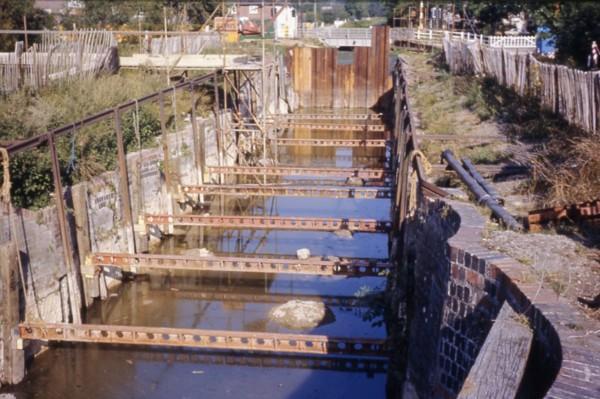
(443,104)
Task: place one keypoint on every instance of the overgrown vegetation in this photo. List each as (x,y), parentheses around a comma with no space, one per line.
(89,151)
(564,159)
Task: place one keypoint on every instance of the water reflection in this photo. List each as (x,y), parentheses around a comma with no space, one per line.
(238,301)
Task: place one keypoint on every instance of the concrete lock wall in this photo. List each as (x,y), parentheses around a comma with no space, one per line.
(458,288)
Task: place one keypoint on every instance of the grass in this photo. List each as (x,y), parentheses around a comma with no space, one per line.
(88,151)
(485,154)
(565,161)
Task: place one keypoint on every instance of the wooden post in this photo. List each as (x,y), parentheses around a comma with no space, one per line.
(124,183)
(19,59)
(25,29)
(218,126)
(198,142)
(12,363)
(164,139)
(84,248)
(72,277)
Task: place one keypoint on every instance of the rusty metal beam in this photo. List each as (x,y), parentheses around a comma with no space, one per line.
(346,364)
(271,222)
(342,266)
(331,117)
(289,191)
(332,183)
(207,339)
(585,211)
(331,142)
(347,127)
(364,173)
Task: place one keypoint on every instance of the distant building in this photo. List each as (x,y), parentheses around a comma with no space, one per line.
(59,7)
(280,20)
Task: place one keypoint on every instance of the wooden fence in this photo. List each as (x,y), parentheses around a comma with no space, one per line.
(574,94)
(58,56)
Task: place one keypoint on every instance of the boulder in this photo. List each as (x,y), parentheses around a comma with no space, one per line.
(298,315)
(303,253)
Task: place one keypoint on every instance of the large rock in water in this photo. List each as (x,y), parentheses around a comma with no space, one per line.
(298,315)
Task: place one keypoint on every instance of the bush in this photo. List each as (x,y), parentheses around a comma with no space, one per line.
(86,153)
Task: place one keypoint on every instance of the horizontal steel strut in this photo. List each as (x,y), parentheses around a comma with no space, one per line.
(364,173)
(336,117)
(342,266)
(332,126)
(333,182)
(331,142)
(271,222)
(208,339)
(289,191)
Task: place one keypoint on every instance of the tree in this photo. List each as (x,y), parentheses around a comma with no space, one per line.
(574,26)
(100,13)
(357,9)
(11,17)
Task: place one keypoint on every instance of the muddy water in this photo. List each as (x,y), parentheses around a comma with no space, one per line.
(234,301)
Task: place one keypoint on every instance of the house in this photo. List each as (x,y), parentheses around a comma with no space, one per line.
(59,7)
(281,19)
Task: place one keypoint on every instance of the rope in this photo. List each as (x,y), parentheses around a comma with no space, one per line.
(414,178)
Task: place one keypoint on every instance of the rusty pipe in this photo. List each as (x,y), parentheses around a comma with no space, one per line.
(480,194)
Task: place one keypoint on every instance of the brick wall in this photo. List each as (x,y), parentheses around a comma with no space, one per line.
(459,287)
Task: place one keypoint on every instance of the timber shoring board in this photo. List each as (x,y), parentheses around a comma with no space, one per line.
(341,266)
(272,222)
(356,84)
(208,339)
(501,361)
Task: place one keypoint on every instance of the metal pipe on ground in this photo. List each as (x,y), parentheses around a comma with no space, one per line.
(479,179)
(480,194)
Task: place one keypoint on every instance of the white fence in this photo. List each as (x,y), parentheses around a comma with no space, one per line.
(339,37)
(436,37)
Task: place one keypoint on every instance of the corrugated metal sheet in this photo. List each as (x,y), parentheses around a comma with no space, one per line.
(320,81)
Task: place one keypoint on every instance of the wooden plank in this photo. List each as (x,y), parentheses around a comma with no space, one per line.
(501,362)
